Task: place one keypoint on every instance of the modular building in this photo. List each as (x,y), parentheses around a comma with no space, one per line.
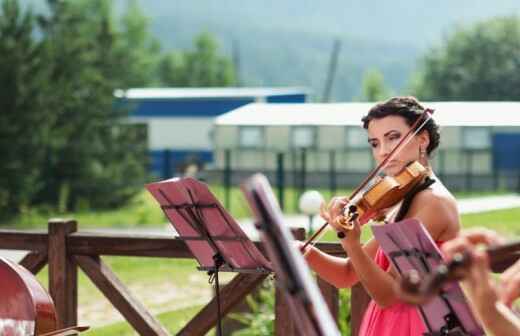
(480,141)
(179,121)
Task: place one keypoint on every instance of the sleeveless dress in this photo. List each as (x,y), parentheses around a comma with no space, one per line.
(399,319)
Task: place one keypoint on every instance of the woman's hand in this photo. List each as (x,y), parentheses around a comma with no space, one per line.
(510,284)
(483,290)
(333,213)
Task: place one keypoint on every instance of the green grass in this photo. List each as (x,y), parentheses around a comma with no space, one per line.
(143,211)
(173,321)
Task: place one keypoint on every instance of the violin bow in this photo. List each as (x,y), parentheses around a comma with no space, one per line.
(414,129)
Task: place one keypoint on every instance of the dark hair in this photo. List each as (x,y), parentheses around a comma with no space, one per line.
(408,108)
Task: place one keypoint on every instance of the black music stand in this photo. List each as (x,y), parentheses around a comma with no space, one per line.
(214,238)
(301,292)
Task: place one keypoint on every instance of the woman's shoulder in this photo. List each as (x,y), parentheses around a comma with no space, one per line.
(437,209)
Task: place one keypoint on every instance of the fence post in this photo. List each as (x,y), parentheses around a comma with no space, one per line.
(167,164)
(332,173)
(280,179)
(442,164)
(63,272)
(227,179)
(303,171)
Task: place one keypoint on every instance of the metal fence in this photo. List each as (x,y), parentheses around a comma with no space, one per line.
(461,170)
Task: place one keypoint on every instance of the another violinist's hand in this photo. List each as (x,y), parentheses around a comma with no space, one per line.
(333,211)
(481,288)
(510,284)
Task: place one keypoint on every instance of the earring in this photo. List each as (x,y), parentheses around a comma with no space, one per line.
(422,152)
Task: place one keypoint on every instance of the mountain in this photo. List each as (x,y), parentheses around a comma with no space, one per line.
(289,42)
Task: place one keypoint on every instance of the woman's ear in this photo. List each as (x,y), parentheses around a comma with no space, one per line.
(424,139)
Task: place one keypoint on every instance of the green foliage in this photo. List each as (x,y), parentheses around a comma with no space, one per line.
(373,87)
(25,120)
(136,51)
(203,66)
(344,315)
(92,156)
(63,140)
(476,63)
(260,320)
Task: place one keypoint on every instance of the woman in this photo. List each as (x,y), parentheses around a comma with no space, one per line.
(491,301)
(434,206)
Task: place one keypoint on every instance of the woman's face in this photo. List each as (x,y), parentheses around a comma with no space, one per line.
(385,133)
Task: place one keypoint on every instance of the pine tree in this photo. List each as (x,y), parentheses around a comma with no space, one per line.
(24,119)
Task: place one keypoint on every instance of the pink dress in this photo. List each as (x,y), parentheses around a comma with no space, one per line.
(400,319)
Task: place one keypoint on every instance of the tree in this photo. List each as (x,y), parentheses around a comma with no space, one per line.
(373,87)
(137,52)
(24,119)
(203,66)
(480,62)
(93,157)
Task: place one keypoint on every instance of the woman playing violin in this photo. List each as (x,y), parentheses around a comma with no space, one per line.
(386,123)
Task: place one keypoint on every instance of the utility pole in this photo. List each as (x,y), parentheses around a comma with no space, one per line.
(332,70)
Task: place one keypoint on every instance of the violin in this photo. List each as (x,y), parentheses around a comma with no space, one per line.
(415,290)
(25,306)
(384,193)
(376,193)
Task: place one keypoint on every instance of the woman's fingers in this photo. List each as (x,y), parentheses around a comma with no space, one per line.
(469,239)
(510,284)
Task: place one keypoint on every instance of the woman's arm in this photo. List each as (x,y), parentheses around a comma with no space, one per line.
(337,271)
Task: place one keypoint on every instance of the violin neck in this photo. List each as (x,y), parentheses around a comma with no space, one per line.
(505,251)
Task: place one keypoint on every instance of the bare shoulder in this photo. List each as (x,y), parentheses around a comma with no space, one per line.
(437,209)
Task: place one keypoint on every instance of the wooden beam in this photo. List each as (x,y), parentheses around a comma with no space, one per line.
(63,273)
(230,295)
(23,240)
(121,244)
(120,297)
(34,261)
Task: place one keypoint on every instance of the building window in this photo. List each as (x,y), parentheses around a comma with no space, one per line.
(356,137)
(303,137)
(251,136)
(476,138)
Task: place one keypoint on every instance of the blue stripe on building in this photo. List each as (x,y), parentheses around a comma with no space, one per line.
(290,98)
(186,107)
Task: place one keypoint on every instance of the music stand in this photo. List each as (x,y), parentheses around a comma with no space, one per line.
(301,292)
(409,246)
(214,238)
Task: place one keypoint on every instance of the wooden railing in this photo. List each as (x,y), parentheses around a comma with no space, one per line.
(65,249)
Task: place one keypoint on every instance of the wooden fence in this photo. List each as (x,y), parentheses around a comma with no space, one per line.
(65,249)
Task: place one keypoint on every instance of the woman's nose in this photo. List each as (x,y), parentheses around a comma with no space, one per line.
(384,150)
